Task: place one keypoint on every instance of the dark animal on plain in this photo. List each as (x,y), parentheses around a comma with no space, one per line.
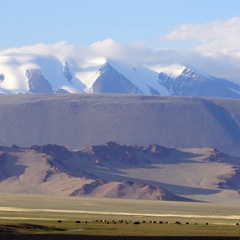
(177,223)
(136,223)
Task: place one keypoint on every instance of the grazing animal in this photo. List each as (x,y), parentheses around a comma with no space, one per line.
(136,223)
(177,223)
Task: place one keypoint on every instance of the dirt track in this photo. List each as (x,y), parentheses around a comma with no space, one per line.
(12,209)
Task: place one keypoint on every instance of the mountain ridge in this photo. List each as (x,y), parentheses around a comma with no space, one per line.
(32,73)
(196,83)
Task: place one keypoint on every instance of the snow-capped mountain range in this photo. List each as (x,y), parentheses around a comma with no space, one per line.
(32,73)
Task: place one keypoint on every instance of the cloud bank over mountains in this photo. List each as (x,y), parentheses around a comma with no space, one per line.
(217,36)
(215,49)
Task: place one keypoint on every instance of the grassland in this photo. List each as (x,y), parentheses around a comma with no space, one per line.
(36,214)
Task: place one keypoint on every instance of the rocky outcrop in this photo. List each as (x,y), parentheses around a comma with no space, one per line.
(88,188)
(127,190)
(58,153)
(140,190)
(132,155)
(36,81)
(2,78)
(66,72)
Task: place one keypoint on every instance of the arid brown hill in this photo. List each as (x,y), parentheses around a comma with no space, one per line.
(119,171)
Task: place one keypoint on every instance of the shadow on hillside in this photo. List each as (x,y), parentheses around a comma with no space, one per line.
(177,156)
(9,166)
(176,189)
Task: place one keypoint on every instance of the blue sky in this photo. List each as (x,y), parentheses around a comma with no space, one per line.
(83,22)
(201,33)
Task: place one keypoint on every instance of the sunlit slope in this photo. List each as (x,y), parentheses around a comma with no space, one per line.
(111,170)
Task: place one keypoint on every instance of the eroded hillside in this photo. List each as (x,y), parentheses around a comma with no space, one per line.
(121,171)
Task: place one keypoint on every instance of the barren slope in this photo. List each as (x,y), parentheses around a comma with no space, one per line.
(120,171)
(75,120)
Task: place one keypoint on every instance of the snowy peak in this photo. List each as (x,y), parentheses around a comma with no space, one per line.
(111,81)
(194,82)
(122,77)
(35,73)
(191,72)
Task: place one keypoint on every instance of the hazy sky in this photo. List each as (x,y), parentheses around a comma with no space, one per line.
(202,33)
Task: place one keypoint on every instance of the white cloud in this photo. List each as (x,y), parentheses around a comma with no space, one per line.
(217,51)
(218,37)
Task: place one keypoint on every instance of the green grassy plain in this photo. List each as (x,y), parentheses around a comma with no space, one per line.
(28,214)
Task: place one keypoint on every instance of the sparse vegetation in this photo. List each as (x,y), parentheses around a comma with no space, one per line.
(79,216)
